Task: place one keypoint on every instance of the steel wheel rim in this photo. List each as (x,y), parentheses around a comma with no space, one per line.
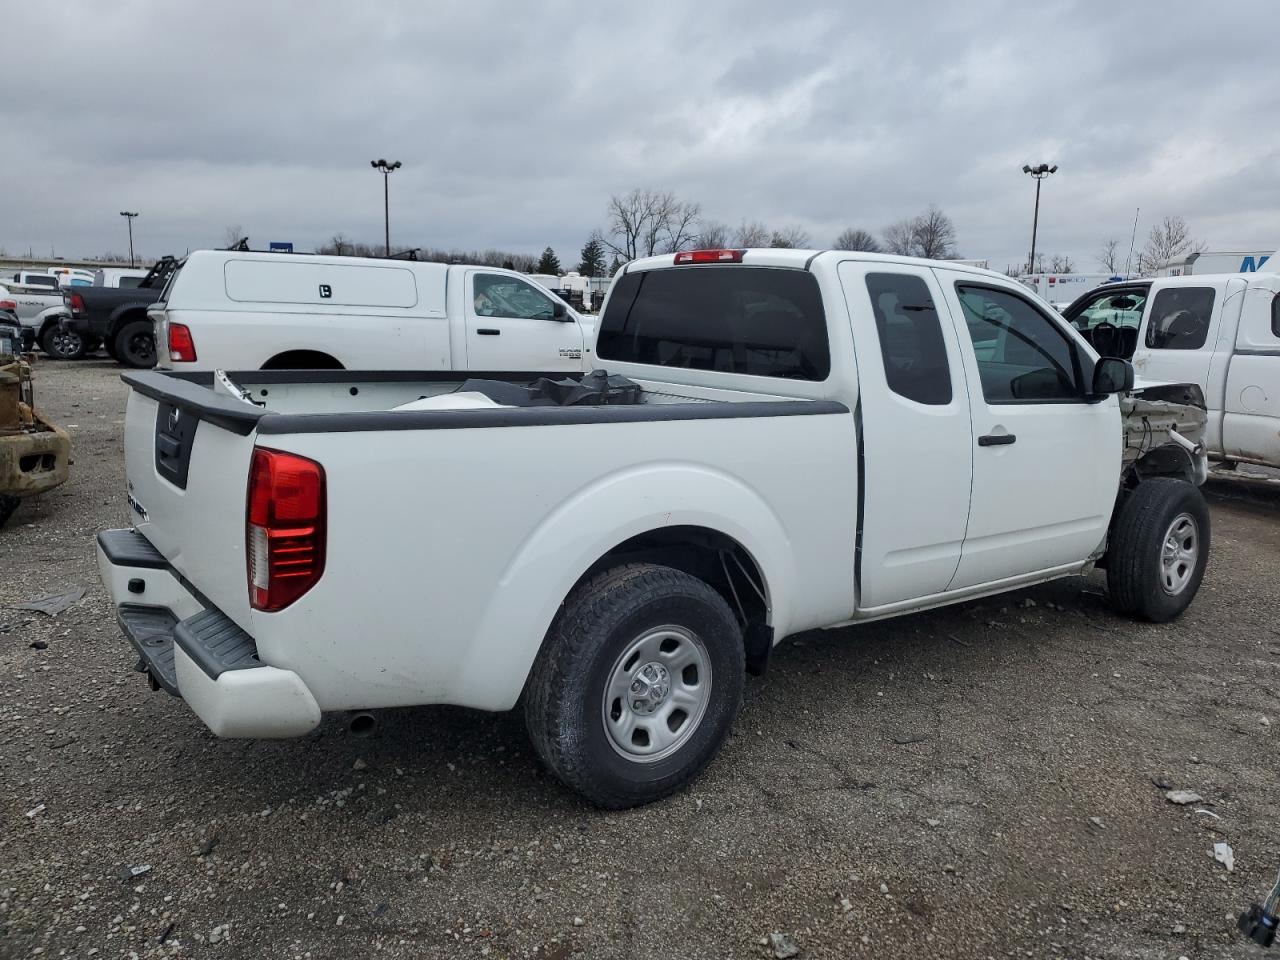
(1179,552)
(656,694)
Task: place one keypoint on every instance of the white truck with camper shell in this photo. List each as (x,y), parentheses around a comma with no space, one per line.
(783,440)
(228,309)
(1220,332)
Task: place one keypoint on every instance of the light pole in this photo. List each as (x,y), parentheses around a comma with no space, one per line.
(129,216)
(1039,172)
(386,168)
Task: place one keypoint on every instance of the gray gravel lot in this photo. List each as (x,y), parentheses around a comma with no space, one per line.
(971,782)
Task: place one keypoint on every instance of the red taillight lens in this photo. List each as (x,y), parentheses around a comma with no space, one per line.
(76,303)
(181,347)
(284,528)
(9,305)
(710,256)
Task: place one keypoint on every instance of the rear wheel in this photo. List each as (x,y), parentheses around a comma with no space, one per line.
(637,685)
(1159,549)
(62,344)
(136,344)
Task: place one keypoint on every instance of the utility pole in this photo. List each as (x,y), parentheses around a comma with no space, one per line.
(1128,264)
(386,168)
(129,216)
(1039,172)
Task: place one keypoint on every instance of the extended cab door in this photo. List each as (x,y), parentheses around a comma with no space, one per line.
(1046,461)
(915,432)
(512,325)
(1251,421)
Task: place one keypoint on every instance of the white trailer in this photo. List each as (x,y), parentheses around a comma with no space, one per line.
(1231,261)
(1060,289)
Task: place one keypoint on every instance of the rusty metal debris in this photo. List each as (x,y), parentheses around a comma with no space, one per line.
(34,453)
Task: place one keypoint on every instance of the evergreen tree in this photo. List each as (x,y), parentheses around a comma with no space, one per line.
(616,265)
(549,263)
(592,264)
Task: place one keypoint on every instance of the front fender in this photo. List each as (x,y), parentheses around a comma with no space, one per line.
(587,526)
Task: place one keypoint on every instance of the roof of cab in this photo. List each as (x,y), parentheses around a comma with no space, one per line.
(804,259)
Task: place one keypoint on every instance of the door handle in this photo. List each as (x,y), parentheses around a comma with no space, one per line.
(489,332)
(997,439)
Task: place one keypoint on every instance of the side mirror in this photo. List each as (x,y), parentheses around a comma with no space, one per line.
(1111,375)
(558,311)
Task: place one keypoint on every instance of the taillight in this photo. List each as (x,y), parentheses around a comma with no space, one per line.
(75,302)
(9,305)
(181,347)
(710,256)
(284,528)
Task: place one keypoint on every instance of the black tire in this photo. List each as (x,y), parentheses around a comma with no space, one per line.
(62,345)
(1149,525)
(8,504)
(136,344)
(565,706)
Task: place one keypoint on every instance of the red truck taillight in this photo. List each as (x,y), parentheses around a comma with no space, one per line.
(182,349)
(75,303)
(284,528)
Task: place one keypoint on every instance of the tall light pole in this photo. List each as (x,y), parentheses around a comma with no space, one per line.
(1039,172)
(129,216)
(386,168)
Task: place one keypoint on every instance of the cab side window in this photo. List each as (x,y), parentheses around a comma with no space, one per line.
(500,295)
(1180,318)
(1275,315)
(1022,355)
(911,344)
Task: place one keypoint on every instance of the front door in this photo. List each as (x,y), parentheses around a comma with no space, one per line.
(512,325)
(915,432)
(1046,461)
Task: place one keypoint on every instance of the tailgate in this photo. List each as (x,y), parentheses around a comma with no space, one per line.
(187,454)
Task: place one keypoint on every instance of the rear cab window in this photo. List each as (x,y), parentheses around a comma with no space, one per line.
(759,321)
(1180,318)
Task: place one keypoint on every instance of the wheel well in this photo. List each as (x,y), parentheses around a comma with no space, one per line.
(125,318)
(1168,460)
(716,559)
(303,360)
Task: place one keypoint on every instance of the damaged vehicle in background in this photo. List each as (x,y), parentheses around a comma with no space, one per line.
(784,440)
(34,453)
(1220,332)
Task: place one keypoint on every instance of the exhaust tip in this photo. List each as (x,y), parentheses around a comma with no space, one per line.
(362,724)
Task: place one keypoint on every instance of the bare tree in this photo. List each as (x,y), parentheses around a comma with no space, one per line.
(1109,256)
(1168,240)
(853,239)
(232,234)
(789,238)
(753,233)
(934,235)
(1061,263)
(645,222)
(713,235)
(899,238)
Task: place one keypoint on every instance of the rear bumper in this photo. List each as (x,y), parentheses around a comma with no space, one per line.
(193,650)
(31,463)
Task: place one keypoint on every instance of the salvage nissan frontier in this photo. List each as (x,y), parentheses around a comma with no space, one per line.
(776,441)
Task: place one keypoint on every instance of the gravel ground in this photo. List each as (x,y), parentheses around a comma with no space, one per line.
(977,781)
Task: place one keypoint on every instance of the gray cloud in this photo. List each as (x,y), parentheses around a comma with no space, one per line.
(515,124)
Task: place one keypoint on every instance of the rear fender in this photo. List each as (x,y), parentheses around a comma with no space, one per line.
(587,526)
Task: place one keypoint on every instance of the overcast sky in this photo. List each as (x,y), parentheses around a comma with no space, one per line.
(515,123)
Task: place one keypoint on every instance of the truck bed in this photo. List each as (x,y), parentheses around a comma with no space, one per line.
(460,534)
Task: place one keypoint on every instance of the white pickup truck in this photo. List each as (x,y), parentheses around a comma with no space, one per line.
(241,310)
(1218,331)
(786,440)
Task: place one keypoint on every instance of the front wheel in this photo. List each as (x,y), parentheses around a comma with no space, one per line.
(1159,549)
(136,344)
(636,686)
(62,344)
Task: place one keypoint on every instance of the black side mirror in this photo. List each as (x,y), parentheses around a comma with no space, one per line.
(1111,375)
(558,311)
